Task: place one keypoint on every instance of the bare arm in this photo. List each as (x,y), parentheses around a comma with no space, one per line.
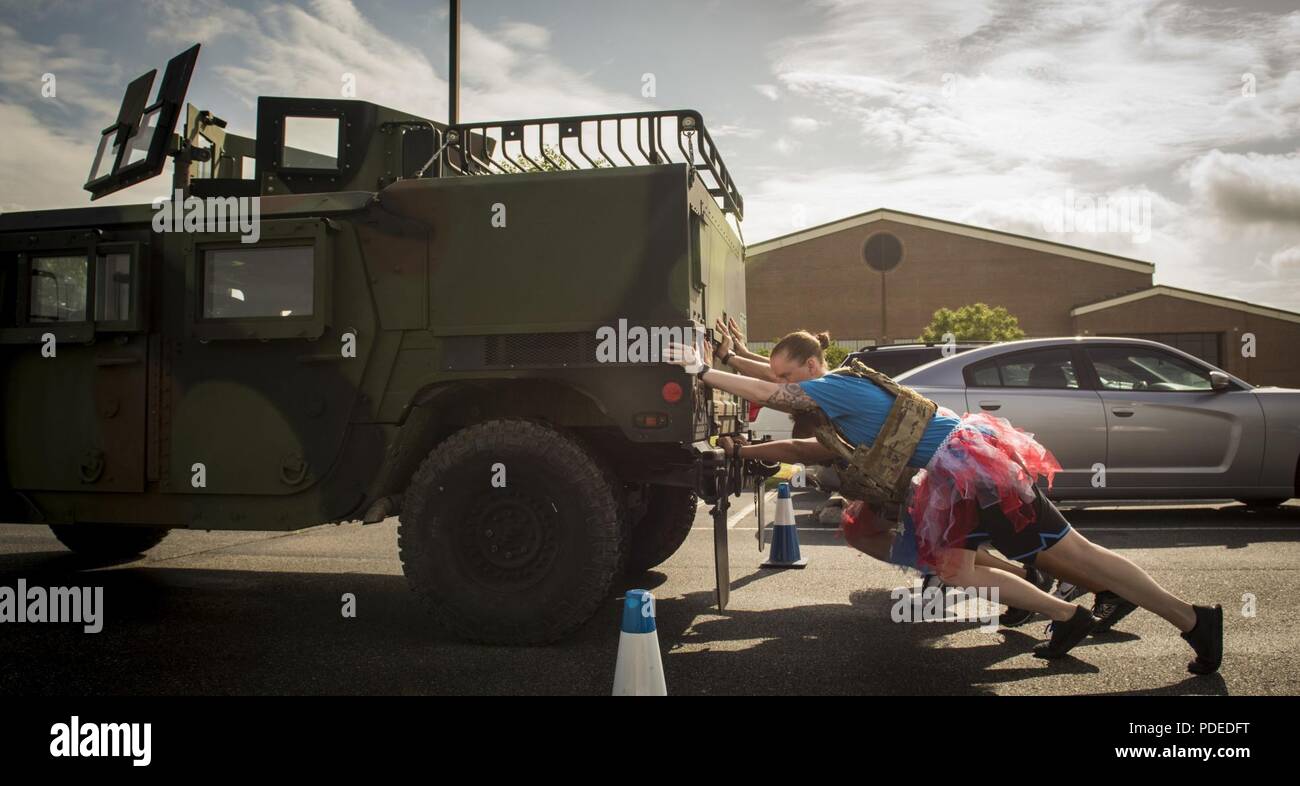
(803,451)
(752,368)
(786,397)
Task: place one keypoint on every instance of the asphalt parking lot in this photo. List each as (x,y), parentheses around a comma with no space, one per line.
(260,613)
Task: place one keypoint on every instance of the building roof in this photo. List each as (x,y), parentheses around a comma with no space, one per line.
(955,228)
(1186,294)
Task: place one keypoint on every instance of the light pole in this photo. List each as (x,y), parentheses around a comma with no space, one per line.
(453,65)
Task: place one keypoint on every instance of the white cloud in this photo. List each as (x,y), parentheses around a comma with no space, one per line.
(770,92)
(805,125)
(1248,187)
(283,49)
(980,111)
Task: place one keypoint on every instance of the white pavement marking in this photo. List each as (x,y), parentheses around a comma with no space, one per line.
(740,515)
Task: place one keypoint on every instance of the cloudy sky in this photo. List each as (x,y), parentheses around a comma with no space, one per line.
(1032,117)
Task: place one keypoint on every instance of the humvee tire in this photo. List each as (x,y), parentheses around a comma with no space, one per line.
(108,541)
(663,529)
(524,564)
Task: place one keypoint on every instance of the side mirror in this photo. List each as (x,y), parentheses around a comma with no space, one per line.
(1219,381)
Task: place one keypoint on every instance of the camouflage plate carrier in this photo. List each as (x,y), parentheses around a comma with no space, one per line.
(877,473)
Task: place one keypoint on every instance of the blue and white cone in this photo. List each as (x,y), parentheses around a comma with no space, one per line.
(640,668)
(785,537)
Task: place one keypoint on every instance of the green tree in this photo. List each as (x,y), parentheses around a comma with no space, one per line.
(975,322)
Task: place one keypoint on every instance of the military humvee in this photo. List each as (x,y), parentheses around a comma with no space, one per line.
(415,325)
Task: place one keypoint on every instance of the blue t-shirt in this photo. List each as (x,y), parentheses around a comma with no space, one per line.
(858,408)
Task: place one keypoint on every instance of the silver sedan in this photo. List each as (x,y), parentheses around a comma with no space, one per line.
(1130,419)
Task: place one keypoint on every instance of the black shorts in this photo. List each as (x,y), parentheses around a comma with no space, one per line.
(994,528)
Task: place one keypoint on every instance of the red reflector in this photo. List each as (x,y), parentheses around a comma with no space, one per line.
(753,411)
(672,392)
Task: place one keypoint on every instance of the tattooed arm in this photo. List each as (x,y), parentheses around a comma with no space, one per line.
(786,397)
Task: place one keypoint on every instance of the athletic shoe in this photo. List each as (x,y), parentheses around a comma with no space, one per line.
(1015,617)
(1206,639)
(1067,591)
(1109,609)
(1065,635)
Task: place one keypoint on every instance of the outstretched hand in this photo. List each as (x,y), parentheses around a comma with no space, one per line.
(688,357)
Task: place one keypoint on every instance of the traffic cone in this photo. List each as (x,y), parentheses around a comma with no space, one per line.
(785,537)
(640,668)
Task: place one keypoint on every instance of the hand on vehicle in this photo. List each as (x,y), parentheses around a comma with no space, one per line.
(689,358)
(737,337)
(726,344)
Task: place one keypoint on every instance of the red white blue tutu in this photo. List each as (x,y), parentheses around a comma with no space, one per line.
(985,461)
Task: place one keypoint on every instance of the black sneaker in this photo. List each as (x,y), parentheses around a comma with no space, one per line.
(1067,591)
(1065,635)
(1109,609)
(1206,640)
(1014,617)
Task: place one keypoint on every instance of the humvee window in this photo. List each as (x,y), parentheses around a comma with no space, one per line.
(311,142)
(58,289)
(113,287)
(252,283)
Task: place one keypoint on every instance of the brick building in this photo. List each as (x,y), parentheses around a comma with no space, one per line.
(878,277)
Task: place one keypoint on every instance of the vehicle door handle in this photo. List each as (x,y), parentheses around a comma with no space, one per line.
(1122,413)
(991,406)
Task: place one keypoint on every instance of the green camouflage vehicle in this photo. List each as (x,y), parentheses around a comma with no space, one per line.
(445,324)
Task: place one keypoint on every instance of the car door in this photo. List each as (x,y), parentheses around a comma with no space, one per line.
(1169,431)
(1041,391)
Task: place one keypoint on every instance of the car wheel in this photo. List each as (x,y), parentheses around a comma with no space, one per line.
(527,562)
(108,541)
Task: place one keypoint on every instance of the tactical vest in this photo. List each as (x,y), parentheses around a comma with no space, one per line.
(878,472)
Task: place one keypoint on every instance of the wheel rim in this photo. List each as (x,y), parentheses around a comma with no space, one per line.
(509,538)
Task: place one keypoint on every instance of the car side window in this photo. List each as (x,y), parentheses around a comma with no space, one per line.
(1051,369)
(1146,368)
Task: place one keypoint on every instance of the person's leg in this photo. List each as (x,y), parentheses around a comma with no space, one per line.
(984,559)
(1063,569)
(1201,626)
(959,568)
(1104,567)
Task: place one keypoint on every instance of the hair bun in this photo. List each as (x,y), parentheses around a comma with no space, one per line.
(824,339)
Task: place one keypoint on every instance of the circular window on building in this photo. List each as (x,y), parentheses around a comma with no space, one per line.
(882,251)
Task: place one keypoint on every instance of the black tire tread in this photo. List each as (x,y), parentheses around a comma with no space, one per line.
(543,440)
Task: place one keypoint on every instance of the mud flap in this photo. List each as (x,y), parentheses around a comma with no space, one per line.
(721,559)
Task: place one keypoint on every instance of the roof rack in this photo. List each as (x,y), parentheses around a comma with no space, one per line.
(589,142)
